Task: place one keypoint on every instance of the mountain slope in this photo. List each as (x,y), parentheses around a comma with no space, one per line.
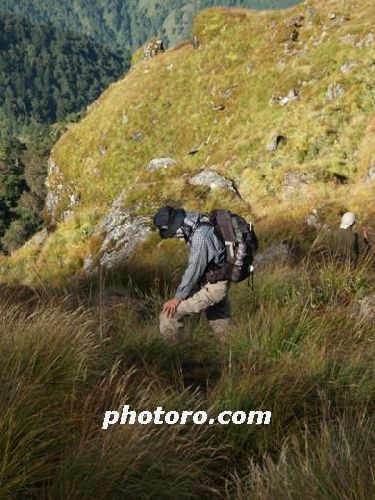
(252,83)
(130,23)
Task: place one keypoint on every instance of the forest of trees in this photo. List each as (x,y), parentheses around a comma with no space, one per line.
(46,77)
(45,74)
(23,167)
(127,23)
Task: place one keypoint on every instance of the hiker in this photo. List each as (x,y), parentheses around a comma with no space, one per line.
(204,285)
(346,243)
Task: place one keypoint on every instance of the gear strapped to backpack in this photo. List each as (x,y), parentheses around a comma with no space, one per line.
(240,242)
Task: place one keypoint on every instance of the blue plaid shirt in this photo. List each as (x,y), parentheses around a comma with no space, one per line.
(205,247)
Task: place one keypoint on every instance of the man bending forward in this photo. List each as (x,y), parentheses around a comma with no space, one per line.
(195,294)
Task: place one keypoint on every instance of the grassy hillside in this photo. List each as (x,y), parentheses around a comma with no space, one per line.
(207,97)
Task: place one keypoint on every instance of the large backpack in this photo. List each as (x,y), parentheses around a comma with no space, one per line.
(240,242)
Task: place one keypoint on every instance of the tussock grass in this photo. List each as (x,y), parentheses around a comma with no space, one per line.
(299,349)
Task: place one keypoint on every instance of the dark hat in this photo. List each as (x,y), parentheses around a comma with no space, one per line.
(168,220)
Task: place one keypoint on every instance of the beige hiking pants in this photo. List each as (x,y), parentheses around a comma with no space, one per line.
(212,298)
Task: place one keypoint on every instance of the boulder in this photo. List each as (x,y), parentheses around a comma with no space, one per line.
(122,232)
(160,163)
(213,180)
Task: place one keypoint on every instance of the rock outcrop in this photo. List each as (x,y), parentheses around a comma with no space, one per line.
(152,48)
(122,232)
(61,196)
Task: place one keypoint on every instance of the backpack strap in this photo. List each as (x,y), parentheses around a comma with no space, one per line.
(224,222)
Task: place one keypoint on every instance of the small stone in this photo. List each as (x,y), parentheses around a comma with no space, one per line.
(226,94)
(347,39)
(249,68)
(334,91)
(213,180)
(38,238)
(346,68)
(370,176)
(218,107)
(276,142)
(335,16)
(137,136)
(366,41)
(195,150)
(283,101)
(293,37)
(312,219)
(295,181)
(160,163)
(297,21)
(367,307)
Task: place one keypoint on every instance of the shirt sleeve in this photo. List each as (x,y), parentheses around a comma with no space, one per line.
(198,262)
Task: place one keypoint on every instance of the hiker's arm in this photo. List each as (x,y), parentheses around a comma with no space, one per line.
(198,261)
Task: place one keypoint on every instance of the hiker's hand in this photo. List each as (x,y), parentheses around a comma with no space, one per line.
(365,233)
(169,308)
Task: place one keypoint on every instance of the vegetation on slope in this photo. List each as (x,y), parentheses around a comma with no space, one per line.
(207,97)
(300,350)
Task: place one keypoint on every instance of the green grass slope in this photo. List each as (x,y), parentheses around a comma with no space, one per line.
(174,100)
